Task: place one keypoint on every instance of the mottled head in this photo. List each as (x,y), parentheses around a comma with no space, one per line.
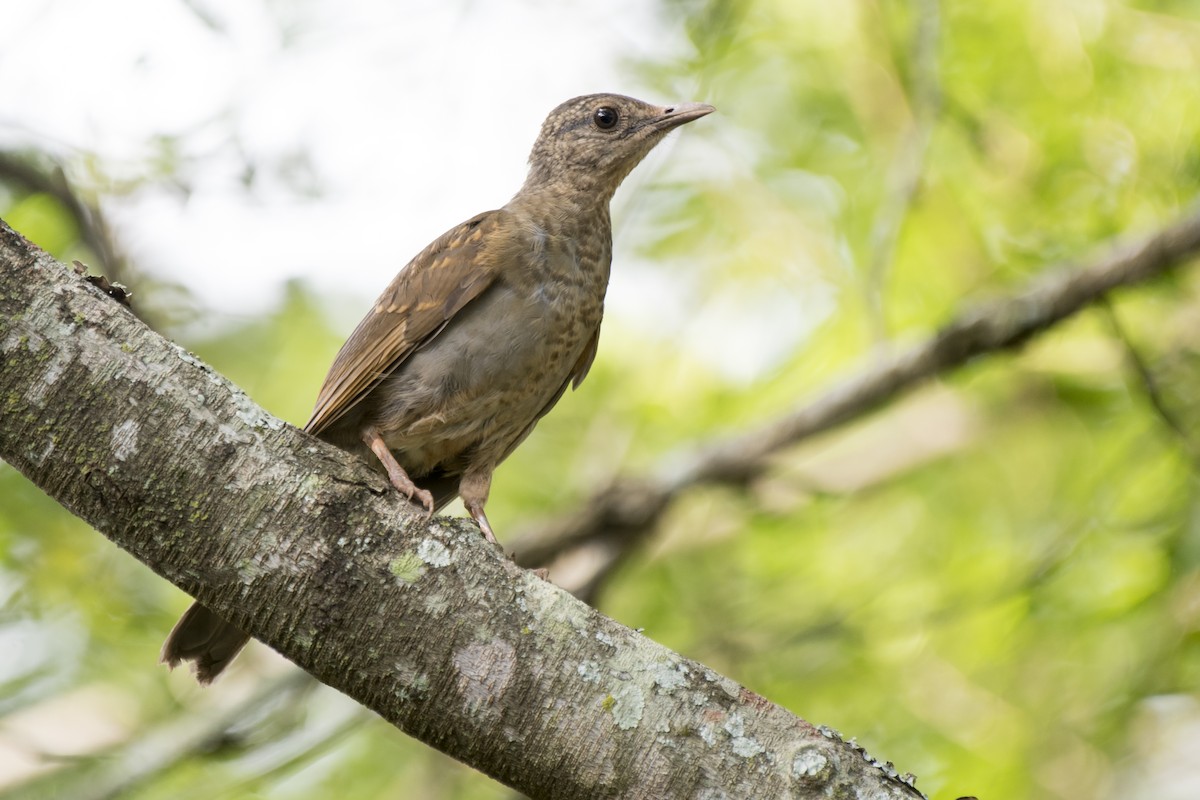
(594,141)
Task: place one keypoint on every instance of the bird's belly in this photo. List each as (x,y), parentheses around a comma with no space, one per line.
(476,388)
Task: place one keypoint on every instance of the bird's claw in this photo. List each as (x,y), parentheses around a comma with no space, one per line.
(426,499)
(404,485)
(486,530)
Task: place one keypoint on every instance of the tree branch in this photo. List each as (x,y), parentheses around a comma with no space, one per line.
(306,548)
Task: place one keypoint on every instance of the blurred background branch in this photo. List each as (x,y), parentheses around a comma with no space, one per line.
(615,519)
(160,747)
(1149,385)
(34,173)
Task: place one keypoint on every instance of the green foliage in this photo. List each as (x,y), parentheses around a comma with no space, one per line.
(986,583)
(42,219)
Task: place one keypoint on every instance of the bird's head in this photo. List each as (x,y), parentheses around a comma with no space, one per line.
(595,140)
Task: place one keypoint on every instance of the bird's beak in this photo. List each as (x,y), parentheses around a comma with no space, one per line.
(674,116)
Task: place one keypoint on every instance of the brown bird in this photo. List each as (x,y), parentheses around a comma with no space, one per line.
(480,334)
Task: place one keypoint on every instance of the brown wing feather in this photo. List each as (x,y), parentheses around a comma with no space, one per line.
(585,361)
(444,277)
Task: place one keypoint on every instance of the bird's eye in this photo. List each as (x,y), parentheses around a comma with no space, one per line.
(606,118)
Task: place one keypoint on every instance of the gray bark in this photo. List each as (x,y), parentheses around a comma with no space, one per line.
(311,552)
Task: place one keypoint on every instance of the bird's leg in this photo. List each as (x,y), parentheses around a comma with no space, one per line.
(396,474)
(473,489)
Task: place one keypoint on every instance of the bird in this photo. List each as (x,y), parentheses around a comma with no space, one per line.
(480,334)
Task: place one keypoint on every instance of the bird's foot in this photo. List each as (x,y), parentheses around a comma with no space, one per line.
(473,489)
(399,478)
(396,474)
(485,527)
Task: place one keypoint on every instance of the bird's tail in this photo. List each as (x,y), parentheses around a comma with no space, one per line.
(203,637)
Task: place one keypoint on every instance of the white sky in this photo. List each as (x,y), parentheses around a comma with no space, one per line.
(414,116)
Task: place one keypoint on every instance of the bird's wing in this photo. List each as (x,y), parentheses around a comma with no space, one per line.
(445,276)
(585,361)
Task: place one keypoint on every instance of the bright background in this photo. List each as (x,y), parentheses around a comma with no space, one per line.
(994,583)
